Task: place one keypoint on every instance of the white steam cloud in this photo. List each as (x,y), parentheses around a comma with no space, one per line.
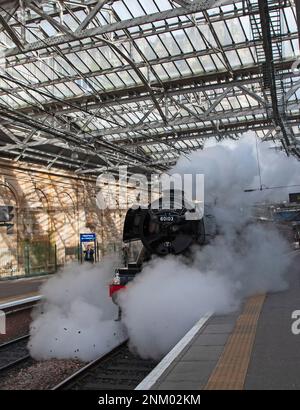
(245,258)
(77,318)
(172,293)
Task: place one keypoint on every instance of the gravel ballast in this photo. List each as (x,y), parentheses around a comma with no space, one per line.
(42,375)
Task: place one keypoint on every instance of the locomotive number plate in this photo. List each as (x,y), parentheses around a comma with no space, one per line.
(166,218)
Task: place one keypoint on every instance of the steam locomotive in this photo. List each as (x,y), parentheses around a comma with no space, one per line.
(172,224)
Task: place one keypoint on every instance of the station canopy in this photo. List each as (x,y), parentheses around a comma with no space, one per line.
(90,85)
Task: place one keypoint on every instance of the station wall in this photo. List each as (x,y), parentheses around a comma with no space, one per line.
(51,209)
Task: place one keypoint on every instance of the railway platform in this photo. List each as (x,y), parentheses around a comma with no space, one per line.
(11,290)
(253,349)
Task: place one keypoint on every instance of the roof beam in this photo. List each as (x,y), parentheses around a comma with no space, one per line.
(217,102)
(24,145)
(8,15)
(52,21)
(64,135)
(252,94)
(108,28)
(142,64)
(200,132)
(218,80)
(192,6)
(183,3)
(297,4)
(11,33)
(221,115)
(140,75)
(91,15)
(150,165)
(148,31)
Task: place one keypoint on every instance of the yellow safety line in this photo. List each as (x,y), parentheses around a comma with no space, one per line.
(231,369)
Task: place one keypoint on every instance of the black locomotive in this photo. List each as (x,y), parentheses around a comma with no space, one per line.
(169,225)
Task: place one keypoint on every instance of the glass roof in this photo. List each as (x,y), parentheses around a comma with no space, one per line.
(138,82)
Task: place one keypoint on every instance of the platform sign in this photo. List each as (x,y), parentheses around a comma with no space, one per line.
(88,247)
(87,237)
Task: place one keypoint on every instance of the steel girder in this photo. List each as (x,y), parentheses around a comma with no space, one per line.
(140,122)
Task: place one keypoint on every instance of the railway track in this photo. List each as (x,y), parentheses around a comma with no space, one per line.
(13,353)
(119,369)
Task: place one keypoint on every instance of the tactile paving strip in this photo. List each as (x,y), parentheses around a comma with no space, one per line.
(231,369)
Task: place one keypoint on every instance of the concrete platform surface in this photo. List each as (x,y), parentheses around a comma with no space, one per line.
(250,349)
(20,288)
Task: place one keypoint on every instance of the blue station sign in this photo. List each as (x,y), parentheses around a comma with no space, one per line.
(87,237)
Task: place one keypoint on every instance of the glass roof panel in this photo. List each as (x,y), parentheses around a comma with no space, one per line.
(194,36)
(180,68)
(223,33)
(183,41)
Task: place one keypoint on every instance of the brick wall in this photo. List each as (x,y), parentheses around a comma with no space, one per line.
(51,208)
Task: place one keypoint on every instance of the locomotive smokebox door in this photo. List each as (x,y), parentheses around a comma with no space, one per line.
(166,232)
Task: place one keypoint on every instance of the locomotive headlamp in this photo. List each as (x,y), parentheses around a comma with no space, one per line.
(116,279)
